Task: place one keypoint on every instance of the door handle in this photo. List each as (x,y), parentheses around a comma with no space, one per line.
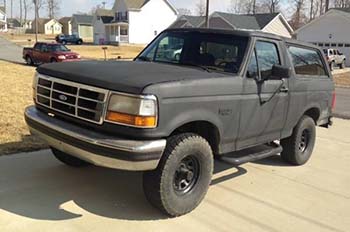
(284,89)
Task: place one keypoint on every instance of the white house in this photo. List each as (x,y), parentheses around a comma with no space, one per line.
(48,26)
(3,19)
(101,17)
(331,30)
(274,23)
(139,21)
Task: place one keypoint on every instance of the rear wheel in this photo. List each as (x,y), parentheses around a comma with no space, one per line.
(53,60)
(79,42)
(297,149)
(342,65)
(68,159)
(64,42)
(29,60)
(182,178)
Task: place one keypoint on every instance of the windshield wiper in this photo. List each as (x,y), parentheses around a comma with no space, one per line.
(205,68)
(144,58)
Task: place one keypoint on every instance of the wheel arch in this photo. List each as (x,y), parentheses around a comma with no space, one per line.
(314,113)
(206,129)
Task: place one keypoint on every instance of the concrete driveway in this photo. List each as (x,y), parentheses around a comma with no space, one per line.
(342,106)
(10,51)
(37,193)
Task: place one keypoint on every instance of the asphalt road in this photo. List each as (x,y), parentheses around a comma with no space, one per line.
(342,106)
(10,51)
(37,193)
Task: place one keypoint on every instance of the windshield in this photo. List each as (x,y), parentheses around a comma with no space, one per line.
(57,48)
(211,51)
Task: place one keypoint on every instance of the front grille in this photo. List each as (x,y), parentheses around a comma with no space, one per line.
(77,100)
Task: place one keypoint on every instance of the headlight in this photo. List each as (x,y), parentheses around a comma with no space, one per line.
(135,111)
(61,57)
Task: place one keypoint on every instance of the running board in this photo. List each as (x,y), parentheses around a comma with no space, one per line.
(270,150)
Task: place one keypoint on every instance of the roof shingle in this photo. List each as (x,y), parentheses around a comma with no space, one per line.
(83,19)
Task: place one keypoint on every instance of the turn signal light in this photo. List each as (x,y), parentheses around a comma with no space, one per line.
(132,120)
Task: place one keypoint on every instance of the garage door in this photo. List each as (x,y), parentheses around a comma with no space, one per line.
(346,52)
(86,32)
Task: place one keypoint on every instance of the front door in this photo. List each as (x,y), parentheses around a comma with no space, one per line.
(265,102)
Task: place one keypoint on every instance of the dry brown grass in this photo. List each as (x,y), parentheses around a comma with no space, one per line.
(15,95)
(22,39)
(342,80)
(87,51)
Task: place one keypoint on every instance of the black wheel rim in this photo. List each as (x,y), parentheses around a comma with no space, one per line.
(186,175)
(304,140)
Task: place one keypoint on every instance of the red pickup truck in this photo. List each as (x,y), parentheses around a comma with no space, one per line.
(48,53)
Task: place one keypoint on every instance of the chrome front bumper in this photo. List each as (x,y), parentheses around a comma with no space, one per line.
(96,148)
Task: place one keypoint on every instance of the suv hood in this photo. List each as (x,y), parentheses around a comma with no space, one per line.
(129,77)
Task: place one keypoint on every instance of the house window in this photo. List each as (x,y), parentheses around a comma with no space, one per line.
(347,45)
(333,45)
(340,45)
(124,31)
(320,44)
(326,45)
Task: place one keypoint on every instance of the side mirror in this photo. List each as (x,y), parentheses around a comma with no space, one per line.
(280,72)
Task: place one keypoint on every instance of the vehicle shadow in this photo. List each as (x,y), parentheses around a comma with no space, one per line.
(36,186)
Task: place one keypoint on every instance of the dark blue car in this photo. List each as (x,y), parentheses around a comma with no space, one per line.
(73,39)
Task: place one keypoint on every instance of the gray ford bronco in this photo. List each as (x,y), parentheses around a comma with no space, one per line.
(191,96)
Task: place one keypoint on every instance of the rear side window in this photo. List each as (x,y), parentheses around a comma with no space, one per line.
(307,61)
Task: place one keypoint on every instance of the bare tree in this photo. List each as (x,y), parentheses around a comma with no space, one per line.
(342,3)
(201,8)
(298,18)
(249,7)
(270,6)
(184,11)
(53,7)
(40,4)
(26,8)
(20,12)
(236,6)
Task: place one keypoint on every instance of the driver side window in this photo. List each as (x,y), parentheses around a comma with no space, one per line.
(265,56)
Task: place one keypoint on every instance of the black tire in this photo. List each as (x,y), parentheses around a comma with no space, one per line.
(342,65)
(167,189)
(53,60)
(297,149)
(29,60)
(68,159)
(79,42)
(64,42)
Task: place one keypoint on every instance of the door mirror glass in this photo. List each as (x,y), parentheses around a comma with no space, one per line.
(280,72)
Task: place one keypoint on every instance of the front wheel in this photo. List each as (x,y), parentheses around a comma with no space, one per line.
(297,149)
(68,159)
(183,176)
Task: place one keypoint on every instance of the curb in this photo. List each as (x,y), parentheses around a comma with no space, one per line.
(341,116)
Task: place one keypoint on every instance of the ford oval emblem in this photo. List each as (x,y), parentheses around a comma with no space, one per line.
(63,97)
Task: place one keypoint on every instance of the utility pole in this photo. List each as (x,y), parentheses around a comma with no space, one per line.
(11,9)
(36,20)
(207,15)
